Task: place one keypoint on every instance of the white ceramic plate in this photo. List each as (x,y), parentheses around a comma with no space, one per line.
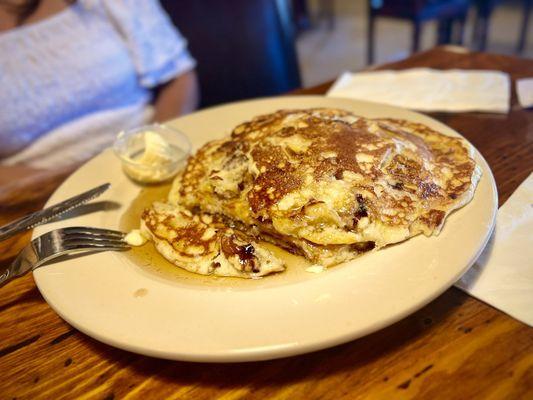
(269,318)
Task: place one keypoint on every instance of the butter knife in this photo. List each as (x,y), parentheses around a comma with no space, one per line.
(40,217)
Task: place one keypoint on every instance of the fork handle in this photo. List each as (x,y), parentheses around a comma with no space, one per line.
(5,276)
(28,259)
(24,262)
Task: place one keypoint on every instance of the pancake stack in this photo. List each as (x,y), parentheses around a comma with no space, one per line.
(325,184)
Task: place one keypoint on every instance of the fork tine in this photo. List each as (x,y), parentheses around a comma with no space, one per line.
(98,245)
(89,237)
(92,240)
(92,231)
(86,237)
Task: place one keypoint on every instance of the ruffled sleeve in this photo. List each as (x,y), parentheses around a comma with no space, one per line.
(158,50)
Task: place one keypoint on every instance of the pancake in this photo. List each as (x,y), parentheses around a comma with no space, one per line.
(202,244)
(328,184)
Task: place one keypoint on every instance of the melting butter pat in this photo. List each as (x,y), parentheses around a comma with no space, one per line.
(135,238)
(315,269)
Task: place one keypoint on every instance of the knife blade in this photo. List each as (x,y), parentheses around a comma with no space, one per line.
(40,217)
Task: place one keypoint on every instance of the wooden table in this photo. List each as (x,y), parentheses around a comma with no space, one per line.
(455,348)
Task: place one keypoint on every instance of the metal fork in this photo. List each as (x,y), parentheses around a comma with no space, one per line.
(62,242)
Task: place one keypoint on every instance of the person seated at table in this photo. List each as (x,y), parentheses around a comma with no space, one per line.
(75,73)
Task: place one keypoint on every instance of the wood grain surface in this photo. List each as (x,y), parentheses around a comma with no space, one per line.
(454,348)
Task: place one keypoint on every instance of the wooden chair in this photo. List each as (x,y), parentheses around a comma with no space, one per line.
(244,48)
(417,12)
(303,20)
(526,14)
(484,10)
(300,15)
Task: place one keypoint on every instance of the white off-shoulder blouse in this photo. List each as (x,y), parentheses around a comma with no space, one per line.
(69,83)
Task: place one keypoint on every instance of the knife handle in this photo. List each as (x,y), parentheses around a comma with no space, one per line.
(42,216)
(19,225)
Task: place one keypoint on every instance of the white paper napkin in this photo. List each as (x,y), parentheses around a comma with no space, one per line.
(503,274)
(524,90)
(428,89)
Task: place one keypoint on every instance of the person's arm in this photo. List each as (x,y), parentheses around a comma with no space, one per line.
(177,97)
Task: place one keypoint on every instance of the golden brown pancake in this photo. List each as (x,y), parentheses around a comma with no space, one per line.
(202,244)
(328,184)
